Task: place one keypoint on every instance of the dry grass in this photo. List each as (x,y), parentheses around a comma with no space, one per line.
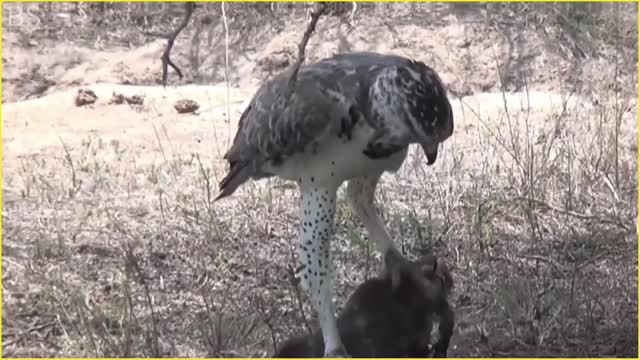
(533,202)
(104,259)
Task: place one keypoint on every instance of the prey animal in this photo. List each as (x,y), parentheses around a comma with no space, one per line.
(349,118)
(379,321)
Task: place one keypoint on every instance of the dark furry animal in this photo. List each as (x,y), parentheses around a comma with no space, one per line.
(385,320)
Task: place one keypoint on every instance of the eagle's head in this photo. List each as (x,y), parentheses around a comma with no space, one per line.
(428,110)
(409,105)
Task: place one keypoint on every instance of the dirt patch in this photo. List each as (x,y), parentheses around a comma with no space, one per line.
(472,51)
(112,245)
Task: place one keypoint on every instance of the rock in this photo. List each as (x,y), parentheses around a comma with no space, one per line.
(119,99)
(185,106)
(85,97)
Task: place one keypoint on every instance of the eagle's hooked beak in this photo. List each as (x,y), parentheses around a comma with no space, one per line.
(430,151)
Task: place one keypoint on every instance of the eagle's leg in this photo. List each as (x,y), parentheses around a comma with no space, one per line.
(360,193)
(317,210)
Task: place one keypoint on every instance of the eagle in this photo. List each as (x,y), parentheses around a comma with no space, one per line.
(348,118)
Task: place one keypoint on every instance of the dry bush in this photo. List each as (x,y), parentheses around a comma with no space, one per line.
(584,29)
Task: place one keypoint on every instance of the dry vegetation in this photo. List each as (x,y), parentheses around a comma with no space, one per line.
(112,247)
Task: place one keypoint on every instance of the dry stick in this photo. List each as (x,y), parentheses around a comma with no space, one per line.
(171,38)
(155,131)
(267,321)
(354,7)
(548,260)
(618,113)
(321,9)
(132,264)
(575,214)
(129,313)
(294,284)
(213,348)
(70,161)
(226,66)
(315,15)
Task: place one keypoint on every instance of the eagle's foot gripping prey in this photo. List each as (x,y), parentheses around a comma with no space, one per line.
(399,268)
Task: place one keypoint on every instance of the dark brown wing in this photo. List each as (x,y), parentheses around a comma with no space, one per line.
(271,129)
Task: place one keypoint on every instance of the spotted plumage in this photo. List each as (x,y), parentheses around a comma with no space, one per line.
(350,118)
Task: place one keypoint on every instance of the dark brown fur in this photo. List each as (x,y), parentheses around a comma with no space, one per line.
(380,321)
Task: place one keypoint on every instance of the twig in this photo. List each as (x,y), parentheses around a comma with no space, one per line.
(549,261)
(320,9)
(207,181)
(294,281)
(354,7)
(73,170)
(83,322)
(130,315)
(164,219)
(132,264)
(618,114)
(171,38)
(294,284)
(155,131)
(607,182)
(574,213)
(226,67)
(214,348)
(267,321)
(34,328)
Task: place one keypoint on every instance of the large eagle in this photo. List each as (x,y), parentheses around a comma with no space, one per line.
(350,118)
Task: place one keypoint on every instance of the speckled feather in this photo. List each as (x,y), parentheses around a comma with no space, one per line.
(331,96)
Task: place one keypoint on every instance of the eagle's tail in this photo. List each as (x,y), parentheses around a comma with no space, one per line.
(238,174)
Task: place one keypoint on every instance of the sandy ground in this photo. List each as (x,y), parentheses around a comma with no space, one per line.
(42,124)
(28,132)
(80,184)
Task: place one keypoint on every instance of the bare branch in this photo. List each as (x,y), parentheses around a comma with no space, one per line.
(132,264)
(294,285)
(226,65)
(171,38)
(74,181)
(575,214)
(354,7)
(321,9)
